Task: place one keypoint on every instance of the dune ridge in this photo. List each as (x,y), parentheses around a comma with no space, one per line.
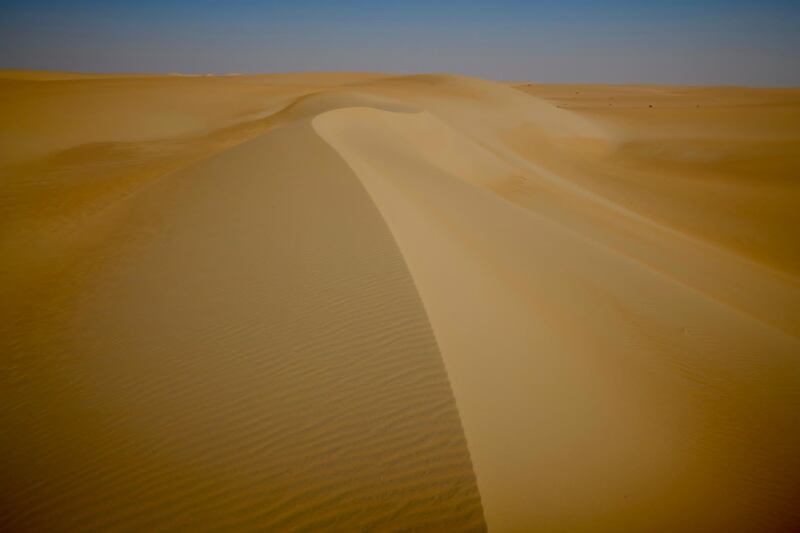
(288,379)
(423,302)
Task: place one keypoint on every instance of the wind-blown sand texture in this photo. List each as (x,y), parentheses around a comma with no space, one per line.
(353,302)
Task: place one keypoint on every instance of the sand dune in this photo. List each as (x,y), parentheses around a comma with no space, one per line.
(360,301)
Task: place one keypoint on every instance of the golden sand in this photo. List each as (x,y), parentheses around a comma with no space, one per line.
(359,301)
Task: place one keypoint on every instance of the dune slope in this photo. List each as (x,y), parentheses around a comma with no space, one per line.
(348,302)
(238,345)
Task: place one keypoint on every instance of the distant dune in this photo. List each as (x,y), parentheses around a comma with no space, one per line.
(350,302)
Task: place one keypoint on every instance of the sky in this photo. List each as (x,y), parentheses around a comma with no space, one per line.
(725,42)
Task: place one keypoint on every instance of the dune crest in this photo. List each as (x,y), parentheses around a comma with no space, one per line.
(431,302)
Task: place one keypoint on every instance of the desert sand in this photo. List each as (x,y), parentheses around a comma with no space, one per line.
(347,302)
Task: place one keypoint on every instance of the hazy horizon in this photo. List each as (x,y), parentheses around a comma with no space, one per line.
(741,42)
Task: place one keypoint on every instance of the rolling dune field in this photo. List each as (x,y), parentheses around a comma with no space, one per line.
(368,302)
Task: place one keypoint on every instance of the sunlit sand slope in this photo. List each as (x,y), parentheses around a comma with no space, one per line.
(614,370)
(347,302)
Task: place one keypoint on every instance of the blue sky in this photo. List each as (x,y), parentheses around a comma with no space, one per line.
(695,42)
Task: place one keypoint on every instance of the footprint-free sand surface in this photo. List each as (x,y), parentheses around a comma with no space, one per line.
(350,302)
